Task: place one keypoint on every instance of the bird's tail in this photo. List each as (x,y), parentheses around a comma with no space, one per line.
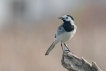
(50,48)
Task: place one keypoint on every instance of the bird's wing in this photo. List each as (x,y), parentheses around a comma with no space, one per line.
(60,31)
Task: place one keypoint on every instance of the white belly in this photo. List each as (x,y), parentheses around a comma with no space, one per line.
(64,37)
(67,36)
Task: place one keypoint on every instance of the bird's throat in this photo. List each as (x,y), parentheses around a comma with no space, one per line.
(68,26)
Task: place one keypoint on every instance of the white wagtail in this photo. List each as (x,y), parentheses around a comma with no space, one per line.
(64,31)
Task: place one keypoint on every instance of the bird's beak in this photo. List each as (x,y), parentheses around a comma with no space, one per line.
(60,17)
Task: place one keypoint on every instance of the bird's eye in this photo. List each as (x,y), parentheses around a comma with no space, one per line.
(66,17)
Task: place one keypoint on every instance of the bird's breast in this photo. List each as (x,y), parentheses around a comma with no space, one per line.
(68,27)
(67,36)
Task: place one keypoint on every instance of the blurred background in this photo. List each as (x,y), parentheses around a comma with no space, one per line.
(27,29)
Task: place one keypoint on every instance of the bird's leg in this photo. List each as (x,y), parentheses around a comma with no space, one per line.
(61,45)
(66,46)
(63,51)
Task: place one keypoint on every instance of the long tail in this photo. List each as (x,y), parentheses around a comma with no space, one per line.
(50,48)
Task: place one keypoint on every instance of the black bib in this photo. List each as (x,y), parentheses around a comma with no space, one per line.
(68,27)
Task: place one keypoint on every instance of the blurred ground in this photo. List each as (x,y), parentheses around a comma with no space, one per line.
(25,35)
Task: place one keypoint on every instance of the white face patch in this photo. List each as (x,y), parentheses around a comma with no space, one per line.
(67,18)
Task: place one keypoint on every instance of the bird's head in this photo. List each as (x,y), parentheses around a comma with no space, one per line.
(67,18)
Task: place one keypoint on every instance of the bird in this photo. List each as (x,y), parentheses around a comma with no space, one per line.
(64,32)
